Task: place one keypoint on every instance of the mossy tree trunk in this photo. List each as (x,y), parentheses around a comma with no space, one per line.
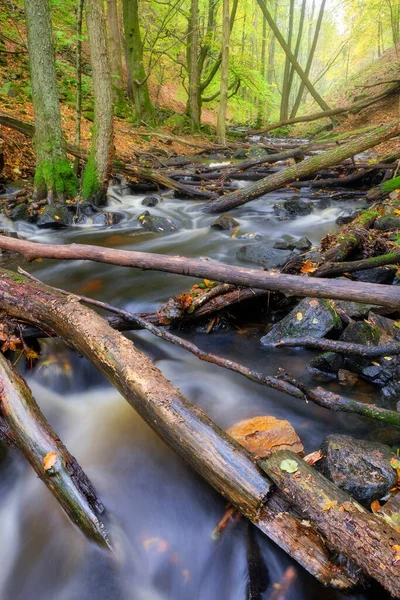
(54,177)
(194,100)
(98,167)
(134,50)
(115,50)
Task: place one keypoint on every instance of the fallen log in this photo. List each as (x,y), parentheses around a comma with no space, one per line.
(381,295)
(355,106)
(337,346)
(52,462)
(330,269)
(350,528)
(283,383)
(226,465)
(302,169)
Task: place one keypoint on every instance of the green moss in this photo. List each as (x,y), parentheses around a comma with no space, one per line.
(367,215)
(91,185)
(57,177)
(392,184)
(337,320)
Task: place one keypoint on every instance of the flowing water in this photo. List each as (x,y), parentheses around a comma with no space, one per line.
(162,514)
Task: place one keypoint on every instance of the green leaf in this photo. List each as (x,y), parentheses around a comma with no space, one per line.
(289,465)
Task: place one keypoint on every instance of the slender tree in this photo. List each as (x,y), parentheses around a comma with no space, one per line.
(194,99)
(285,84)
(54,177)
(223,102)
(98,168)
(134,50)
(78,66)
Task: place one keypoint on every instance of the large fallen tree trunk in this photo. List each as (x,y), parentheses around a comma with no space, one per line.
(52,462)
(340,110)
(349,527)
(226,465)
(381,295)
(302,169)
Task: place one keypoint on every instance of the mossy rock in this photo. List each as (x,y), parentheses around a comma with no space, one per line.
(179,124)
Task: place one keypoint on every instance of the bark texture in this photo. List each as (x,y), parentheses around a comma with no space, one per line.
(223,102)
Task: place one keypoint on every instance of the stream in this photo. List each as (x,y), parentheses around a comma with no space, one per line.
(161,513)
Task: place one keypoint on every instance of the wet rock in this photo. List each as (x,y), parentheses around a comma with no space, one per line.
(178,161)
(328,362)
(249,236)
(240,154)
(303,244)
(283,245)
(344,219)
(106,218)
(376,374)
(297,207)
(20,212)
(360,468)
(310,317)
(378,275)
(387,327)
(261,254)
(387,223)
(323,203)
(391,392)
(150,201)
(353,309)
(225,222)
(55,216)
(157,224)
(361,332)
(347,378)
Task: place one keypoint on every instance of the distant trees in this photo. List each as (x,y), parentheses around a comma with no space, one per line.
(54,177)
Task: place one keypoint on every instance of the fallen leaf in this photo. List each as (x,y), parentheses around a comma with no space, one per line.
(313,303)
(329,504)
(299,316)
(375,505)
(289,465)
(308,267)
(314,457)
(49,460)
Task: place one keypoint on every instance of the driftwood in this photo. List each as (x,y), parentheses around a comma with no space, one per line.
(381,295)
(226,465)
(302,169)
(341,347)
(350,528)
(32,434)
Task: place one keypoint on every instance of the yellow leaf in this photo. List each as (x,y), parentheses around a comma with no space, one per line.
(330,504)
(299,316)
(308,267)
(49,460)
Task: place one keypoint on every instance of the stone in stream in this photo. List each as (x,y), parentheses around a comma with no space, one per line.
(344,219)
(311,317)
(240,153)
(303,244)
(387,223)
(391,392)
(293,207)
(264,255)
(347,378)
(150,201)
(327,363)
(323,203)
(225,222)
(55,216)
(360,468)
(20,212)
(157,224)
(377,275)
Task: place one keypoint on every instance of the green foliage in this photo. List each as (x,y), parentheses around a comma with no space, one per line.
(91,185)
(55,176)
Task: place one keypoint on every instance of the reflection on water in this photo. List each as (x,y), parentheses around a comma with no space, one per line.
(161,514)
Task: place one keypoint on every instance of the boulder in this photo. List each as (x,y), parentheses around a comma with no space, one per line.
(261,254)
(323,203)
(55,216)
(157,224)
(310,317)
(360,332)
(344,219)
(225,222)
(387,223)
(303,244)
(240,153)
(297,207)
(150,201)
(360,468)
(377,275)
(328,362)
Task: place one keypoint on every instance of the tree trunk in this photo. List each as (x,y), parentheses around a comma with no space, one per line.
(54,177)
(302,169)
(309,60)
(285,84)
(134,46)
(350,528)
(298,44)
(32,434)
(223,102)
(370,293)
(271,49)
(217,457)
(98,168)
(291,57)
(115,51)
(194,100)
(78,102)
